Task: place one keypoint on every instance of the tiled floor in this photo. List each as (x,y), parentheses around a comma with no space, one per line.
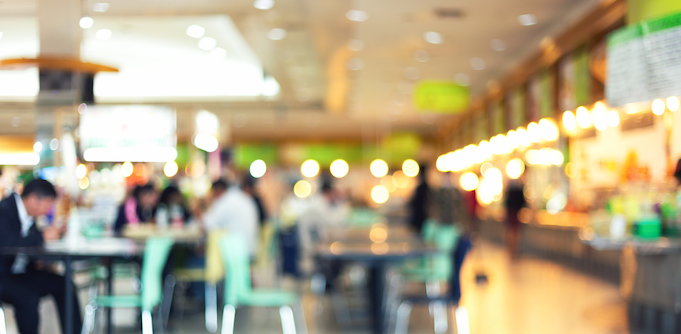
(523,296)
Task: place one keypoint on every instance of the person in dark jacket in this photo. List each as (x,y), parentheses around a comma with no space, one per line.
(419,202)
(515,201)
(24,282)
(171,206)
(137,209)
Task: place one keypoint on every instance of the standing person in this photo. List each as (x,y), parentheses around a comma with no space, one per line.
(137,209)
(235,212)
(23,282)
(248,186)
(515,201)
(419,202)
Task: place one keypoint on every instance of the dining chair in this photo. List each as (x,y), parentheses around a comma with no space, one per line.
(239,292)
(156,254)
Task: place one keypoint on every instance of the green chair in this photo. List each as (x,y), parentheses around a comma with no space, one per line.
(156,254)
(239,292)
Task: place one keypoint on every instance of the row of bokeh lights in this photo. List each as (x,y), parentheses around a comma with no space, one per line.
(339,168)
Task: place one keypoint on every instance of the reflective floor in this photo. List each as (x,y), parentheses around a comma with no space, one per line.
(524,296)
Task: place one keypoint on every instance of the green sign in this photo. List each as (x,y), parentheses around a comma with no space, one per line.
(245,154)
(582,77)
(638,10)
(498,119)
(546,94)
(441,97)
(517,106)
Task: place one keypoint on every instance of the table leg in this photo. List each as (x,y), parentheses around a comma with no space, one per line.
(109,291)
(378,288)
(68,278)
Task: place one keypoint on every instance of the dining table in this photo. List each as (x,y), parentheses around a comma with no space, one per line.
(377,247)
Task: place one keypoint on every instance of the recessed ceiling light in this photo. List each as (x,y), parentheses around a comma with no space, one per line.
(218,54)
(462,79)
(498,45)
(412,73)
(277,34)
(422,56)
(478,64)
(356,45)
(100,7)
(207,43)
(527,19)
(86,22)
(357,15)
(433,37)
(103,34)
(355,64)
(196,31)
(263,4)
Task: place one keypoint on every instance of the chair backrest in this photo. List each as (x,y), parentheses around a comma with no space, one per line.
(234,250)
(155,258)
(215,269)
(445,240)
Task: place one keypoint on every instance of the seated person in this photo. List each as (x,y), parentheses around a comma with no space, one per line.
(24,282)
(137,209)
(171,208)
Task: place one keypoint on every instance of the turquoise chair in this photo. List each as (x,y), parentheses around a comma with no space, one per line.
(155,257)
(239,292)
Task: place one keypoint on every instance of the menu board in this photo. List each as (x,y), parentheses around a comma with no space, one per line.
(644,61)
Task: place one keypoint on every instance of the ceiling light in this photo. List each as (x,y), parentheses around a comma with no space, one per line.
(421,56)
(339,168)
(276,34)
(498,45)
(218,54)
(302,189)
(263,4)
(206,142)
(515,168)
(410,168)
(380,194)
(469,181)
(357,15)
(81,171)
(207,43)
(100,7)
(170,169)
(136,154)
(196,31)
(356,45)
(258,168)
(433,37)
(309,168)
(613,118)
(478,64)
(658,107)
(19,159)
(569,121)
(462,79)
(103,34)
(583,118)
(86,22)
(37,147)
(527,19)
(355,64)
(673,103)
(379,168)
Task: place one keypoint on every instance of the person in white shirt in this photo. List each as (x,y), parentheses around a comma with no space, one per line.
(236,212)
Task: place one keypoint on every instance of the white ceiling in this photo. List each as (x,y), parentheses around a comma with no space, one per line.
(310,63)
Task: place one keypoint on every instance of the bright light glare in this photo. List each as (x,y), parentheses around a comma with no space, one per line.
(673,103)
(83,183)
(658,107)
(400,180)
(512,139)
(19,159)
(379,168)
(548,129)
(103,34)
(135,154)
(277,34)
(569,121)
(37,147)
(583,118)
(441,163)
(339,168)
(527,19)
(86,22)
(523,137)
(81,171)
(380,194)
(469,181)
(410,168)
(54,144)
(127,169)
(100,7)
(533,132)
(302,189)
(207,43)
(309,168)
(433,37)
(170,169)
(485,149)
(196,31)
(263,4)
(206,142)
(515,168)
(493,174)
(218,54)
(357,15)
(258,168)
(600,117)
(613,118)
